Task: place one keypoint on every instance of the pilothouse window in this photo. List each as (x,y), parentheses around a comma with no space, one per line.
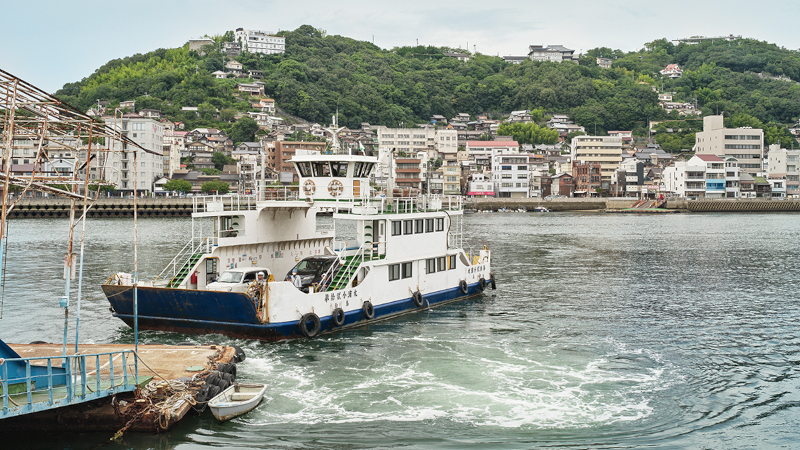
(304,168)
(339,169)
(321,169)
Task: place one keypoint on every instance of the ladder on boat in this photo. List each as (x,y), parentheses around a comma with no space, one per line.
(186,269)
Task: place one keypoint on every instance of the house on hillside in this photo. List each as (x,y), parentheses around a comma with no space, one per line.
(672,71)
(552,53)
(252,89)
(234,67)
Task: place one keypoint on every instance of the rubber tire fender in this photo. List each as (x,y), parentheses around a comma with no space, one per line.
(337,317)
(223,384)
(229,377)
(213,391)
(418,300)
(463,286)
(482,284)
(303,324)
(368,310)
(239,356)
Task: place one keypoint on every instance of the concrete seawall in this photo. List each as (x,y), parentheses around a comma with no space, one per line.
(105,207)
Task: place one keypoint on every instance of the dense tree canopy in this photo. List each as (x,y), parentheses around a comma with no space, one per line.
(319,74)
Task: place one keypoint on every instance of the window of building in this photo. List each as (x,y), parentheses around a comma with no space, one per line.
(394,272)
(408,227)
(407,269)
(397,228)
(430,265)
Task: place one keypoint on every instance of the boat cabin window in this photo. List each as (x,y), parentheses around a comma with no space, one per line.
(338,169)
(419,225)
(397,228)
(440,224)
(321,169)
(211,266)
(304,169)
(358,168)
(408,227)
(230,277)
(430,265)
(407,269)
(452,262)
(394,272)
(429,225)
(441,262)
(367,169)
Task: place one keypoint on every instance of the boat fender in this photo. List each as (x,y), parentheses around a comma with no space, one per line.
(418,300)
(492,282)
(229,377)
(227,368)
(482,284)
(463,286)
(368,310)
(223,384)
(316,325)
(213,379)
(337,317)
(239,356)
(213,391)
(200,399)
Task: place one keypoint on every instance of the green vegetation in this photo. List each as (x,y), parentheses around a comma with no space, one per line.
(220,160)
(319,73)
(215,187)
(178,186)
(528,133)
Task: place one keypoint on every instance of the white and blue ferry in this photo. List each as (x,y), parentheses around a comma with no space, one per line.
(379,256)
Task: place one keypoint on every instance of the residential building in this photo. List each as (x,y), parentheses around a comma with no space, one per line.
(256,41)
(514,59)
(251,88)
(553,53)
(485,149)
(694,40)
(201,155)
(586,176)
(744,144)
(234,67)
(125,165)
(708,176)
(451,178)
(672,71)
(282,151)
(219,74)
(410,172)
(409,141)
(446,144)
(510,175)
(604,63)
(605,150)
(480,186)
(459,56)
(785,164)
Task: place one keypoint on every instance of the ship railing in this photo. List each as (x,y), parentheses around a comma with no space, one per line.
(407,205)
(360,254)
(29,385)
(183,256)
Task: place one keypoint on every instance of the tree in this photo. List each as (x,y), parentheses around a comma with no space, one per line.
(220,160)
(215,187)
(210,171)
(177,186)
(244,130)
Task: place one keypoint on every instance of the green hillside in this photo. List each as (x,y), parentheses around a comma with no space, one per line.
(407,85)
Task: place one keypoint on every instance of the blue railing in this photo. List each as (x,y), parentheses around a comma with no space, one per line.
(51,383)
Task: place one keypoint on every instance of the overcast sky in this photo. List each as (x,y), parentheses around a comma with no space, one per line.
(50,43)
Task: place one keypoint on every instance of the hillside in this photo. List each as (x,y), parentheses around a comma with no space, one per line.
(407,85)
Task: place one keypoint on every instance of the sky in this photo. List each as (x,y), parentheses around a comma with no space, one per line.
(51,43)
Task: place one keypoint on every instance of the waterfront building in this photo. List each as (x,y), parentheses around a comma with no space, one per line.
(480,186)
(119,162)
(785,164)
(744,144)
(510,175)
(587,178)
(707,176)
(604,150)
(256,41)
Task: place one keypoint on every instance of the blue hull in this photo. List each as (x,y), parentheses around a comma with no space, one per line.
(234,315)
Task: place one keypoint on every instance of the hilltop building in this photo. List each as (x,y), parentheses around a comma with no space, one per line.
(256,41)
(553,53)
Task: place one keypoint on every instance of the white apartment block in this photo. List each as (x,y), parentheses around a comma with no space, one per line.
(446,144)
(408,140)
(744,144)
(785,164)
(119,166)
(605,150)
(707,176)
(510,175)
(255,41)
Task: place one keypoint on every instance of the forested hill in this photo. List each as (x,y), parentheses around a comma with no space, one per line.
(407,85)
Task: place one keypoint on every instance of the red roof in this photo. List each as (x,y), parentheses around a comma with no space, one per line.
(710,158)
(492,144)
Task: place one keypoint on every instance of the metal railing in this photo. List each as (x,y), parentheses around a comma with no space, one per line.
(184,256)
(52,384)
(357,257)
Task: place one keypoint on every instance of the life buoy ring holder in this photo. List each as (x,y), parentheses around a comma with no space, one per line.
(309,187)
(463,286)
(335,188)
(337,317)
(315,327)
(368,310)
(418,300)
(482,284)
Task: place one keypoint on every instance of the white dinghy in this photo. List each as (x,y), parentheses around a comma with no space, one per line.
(236,400)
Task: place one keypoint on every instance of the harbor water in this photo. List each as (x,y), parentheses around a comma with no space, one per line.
(605,331)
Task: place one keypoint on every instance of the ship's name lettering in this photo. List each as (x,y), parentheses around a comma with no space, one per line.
(340,295)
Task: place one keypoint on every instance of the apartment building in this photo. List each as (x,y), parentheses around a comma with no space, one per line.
(280,152)
(256,41)
(119,163)
(708,176)
(785,164)
(603,150)
(451,178)
(744,144)
(409,141)
(510,175)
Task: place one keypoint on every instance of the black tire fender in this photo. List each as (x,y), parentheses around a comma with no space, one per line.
(316,325)
(481,284)
(418,300)
(368,310)
(337,317)
(239,356)
(463,286)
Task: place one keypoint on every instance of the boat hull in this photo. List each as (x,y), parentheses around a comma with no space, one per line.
(232,314)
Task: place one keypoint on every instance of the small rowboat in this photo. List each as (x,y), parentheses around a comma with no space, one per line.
(236,400)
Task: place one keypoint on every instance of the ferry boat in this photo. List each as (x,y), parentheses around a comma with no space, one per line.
(378,256)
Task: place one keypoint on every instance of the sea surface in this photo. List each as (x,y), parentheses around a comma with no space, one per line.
(605,331)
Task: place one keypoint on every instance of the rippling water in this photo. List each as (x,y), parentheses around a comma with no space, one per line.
(606,331)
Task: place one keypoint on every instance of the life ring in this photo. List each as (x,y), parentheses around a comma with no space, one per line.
(315,327)
(418,300)
(463,286)
(491,280)
(481,284)
(335,188)
(309,187)
(337,317)
(368,310)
